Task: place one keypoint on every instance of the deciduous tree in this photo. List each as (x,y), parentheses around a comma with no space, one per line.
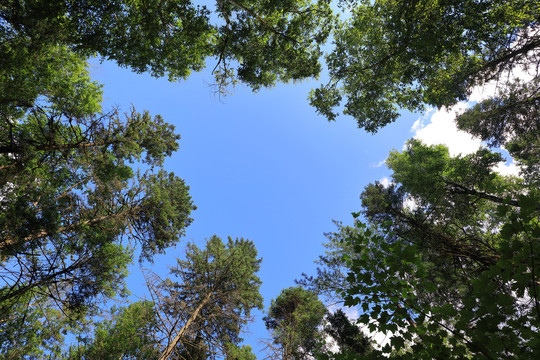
(394,55)
(254,42)
(451,271)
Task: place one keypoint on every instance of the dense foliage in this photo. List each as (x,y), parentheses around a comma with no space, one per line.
(255,42)
(393,55)
(75,207)
(293,319)
(198,314)
(444,260)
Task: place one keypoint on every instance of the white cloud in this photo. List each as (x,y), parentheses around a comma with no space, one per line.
(418,124)
(385,182)
(410,204)
(510,169)
(442,129)
(350,312)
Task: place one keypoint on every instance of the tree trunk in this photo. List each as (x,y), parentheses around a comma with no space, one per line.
(168,351)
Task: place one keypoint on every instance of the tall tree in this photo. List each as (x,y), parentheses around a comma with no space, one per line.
(198,316)
(74,208)
(295,319)
(202,312)
(392,55)
(349,338)
(452,269)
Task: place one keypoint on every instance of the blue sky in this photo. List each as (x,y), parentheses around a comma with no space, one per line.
(262,166)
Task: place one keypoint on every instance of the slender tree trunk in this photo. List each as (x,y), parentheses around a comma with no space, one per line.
(168,351)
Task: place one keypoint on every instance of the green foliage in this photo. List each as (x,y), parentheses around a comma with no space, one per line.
(348,337)
(264,41)
(294,319)
(448,264)
(75,209)
(33,330)
(211,298)
(55,75)
(240,353)
(128,335)
(393,55)
(453,273)
(72,199)
(276,40)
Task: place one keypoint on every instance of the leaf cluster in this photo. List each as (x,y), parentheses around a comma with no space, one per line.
(401,55)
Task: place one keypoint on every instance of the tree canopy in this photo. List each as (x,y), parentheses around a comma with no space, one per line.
(458,244)
(210,299)
(294,319)
(444,260)
(254,42)
(394,55)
